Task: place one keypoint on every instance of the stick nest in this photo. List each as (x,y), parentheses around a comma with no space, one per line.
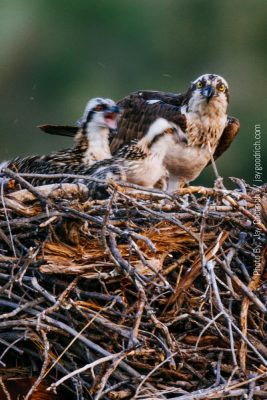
(140,296)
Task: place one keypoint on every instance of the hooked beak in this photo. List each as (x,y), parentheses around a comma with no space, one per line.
(208,92)
(111,117)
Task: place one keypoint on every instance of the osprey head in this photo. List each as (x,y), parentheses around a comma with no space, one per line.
(208,90)
(161,131)
(100,112)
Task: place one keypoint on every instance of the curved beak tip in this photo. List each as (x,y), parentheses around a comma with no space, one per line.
(208,92)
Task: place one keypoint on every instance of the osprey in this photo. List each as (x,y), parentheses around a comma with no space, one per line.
(200,113)
(139,162)
(91,141)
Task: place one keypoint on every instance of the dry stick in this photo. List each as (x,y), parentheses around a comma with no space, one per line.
(235,369)
(108,324)
(91,345)
(125,266)
(154,192)
(18,208)
(79,333)
(105,222)
(195,270)
(13,347)
(162,216)
(206,394)
(27,220)
(138,283)
(218,370)
(61,298)
(141,301)
(24,306)
(86,367)
(247,213)
(108,373)
(56,190)
(219,391)
(4,237)
(210,268)
(252,389)
(44,366)
(254,379)
(201,238)
(3,387)
(25,184)
(214,166)
(66,349)
(253,285)
(111,183)
(164,329)
(202,255)
(43,292)
(16,277)
(207,327)
(7,220)
(232,252)
(99,221)
(150,373)
(147,265)
(241,285)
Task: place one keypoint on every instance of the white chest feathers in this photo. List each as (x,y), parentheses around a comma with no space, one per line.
(98,146)
(205,123)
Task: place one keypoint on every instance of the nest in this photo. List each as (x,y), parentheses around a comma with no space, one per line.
(140,296)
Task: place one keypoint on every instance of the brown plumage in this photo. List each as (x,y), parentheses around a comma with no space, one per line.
(139,162)
(200,113)
(91,142)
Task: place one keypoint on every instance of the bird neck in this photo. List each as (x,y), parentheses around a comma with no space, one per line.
(205,122)
(93,141)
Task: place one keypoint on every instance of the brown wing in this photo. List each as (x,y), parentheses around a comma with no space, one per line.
(61,130)
(140,109)
(229,133)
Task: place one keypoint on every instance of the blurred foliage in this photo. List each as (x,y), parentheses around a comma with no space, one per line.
(57,54)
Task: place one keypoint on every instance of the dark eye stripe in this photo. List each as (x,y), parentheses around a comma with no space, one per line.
(100,107)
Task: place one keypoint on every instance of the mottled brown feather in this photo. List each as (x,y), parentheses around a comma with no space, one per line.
(138,115)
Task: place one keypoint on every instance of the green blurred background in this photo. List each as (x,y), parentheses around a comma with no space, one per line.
(56,54)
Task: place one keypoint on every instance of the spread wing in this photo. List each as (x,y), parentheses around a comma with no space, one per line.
(140,109)
(228,135)
(61,130)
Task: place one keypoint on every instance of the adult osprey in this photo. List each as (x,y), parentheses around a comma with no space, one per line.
(200,113)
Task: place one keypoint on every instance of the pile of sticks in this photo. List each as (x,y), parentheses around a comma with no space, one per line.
(144,295)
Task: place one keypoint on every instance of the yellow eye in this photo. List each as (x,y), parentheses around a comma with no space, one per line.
(199,85)
(170,130)
(222,88)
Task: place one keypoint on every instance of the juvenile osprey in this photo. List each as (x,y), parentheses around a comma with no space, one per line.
(200,113)
(139,162)
(91,141)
